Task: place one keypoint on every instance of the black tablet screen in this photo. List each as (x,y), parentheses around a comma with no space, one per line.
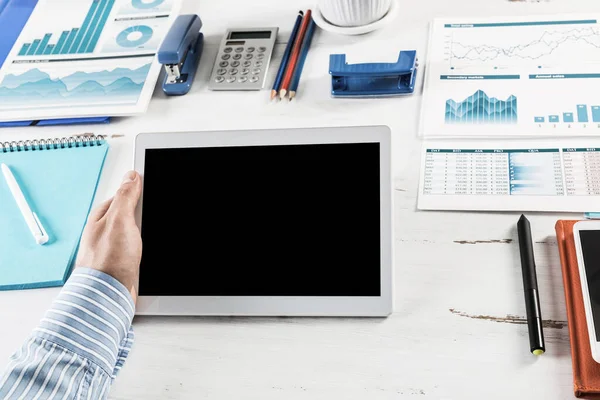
(289,220)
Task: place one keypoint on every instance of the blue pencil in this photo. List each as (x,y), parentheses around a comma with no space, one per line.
(303,53)
(286,56)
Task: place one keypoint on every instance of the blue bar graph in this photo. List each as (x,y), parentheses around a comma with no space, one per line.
(86,25)
(69,43)
(596,113)
(61,42)
(568,117)
(582,113)
(42,47)
(100,27)
(24,49)
(33,47)
(80,40)
(49,49)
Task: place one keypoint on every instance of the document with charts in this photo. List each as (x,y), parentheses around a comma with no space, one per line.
(541,175)
(518,76)
(85,58)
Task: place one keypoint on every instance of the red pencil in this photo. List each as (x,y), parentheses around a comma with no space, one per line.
(291,67)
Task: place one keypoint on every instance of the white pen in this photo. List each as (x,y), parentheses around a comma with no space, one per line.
(32,220)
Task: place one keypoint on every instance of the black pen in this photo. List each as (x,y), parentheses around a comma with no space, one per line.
(532,298)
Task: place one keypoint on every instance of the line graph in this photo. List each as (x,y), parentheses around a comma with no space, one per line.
(537,45)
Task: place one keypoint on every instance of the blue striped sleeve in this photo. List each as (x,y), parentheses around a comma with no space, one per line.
(79,346)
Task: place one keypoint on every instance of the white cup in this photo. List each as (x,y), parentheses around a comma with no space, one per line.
(354,12)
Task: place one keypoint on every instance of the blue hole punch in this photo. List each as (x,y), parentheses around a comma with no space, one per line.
(180,54)
(373,79)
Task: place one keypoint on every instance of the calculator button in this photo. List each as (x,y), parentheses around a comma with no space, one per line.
(248,56)
(254,79)
(262,49)
(260,56)
(230,79)
(227,49)
(250,49)
(256,71)
(221,71)
(239,49)
(245,71)
(258,63)
(223,64)
(242,79)
(225,57)
(237,56)
(235,64)
(233,71)
(247,64)
(219,79)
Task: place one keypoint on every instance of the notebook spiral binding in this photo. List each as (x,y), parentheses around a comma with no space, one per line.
(51,144)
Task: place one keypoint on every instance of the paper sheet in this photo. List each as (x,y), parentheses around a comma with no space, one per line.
(541,175)
(85,58)
(518,76)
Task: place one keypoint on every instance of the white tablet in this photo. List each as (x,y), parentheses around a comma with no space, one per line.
(587,248)
(288,222)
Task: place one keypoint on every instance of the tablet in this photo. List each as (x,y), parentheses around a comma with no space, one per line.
(287,222)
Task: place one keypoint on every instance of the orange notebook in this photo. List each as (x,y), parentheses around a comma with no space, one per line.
(586,371)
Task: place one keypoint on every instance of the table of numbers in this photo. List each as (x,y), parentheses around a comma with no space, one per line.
(507,172)
(582,171)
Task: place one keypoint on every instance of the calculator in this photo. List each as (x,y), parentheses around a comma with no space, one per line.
(243,59)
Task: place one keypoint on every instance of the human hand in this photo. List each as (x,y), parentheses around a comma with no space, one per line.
(111,241)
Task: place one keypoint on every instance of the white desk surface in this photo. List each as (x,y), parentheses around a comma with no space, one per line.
(457,330)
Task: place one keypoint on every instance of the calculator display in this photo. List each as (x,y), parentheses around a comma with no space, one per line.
(250,35)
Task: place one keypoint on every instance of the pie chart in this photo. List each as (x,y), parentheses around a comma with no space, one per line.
(134,36)
(141,4)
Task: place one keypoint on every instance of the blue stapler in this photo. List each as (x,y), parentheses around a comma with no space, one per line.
(180,53)
(373,79)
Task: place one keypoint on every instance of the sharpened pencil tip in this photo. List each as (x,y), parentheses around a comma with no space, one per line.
(273,94)
(292,95)
(282,93)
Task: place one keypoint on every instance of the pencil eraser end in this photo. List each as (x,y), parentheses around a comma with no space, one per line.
(538,352)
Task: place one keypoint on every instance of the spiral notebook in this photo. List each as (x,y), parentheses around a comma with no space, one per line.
(59,179)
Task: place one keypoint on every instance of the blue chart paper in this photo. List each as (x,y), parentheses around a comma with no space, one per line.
(87,58)
(59,185)
(513,76)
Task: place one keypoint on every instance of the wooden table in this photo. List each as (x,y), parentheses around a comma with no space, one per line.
(457,331)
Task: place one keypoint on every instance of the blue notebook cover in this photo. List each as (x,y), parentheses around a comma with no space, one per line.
(59,185)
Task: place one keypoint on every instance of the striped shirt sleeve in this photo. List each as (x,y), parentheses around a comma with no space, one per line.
(79,346)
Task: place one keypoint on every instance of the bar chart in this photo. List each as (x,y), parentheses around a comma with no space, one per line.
(78,40)
(582,115)
(479,108)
